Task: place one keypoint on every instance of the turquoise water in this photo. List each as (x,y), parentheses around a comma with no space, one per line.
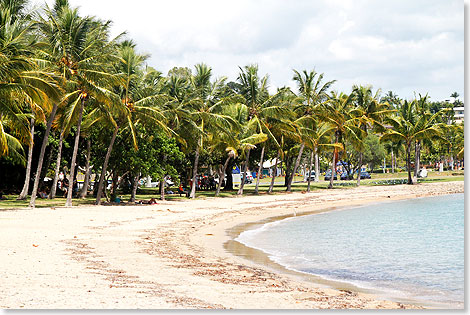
(405,250)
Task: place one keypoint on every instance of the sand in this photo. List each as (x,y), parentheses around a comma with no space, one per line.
(173,255)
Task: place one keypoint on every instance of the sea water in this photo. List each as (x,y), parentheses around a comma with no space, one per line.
(407,250)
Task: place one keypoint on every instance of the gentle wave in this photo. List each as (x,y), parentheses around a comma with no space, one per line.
(410,249)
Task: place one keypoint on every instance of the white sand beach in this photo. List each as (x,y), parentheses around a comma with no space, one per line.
(170,255)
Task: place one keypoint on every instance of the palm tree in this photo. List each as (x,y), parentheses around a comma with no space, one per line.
(339,112)
(25,87)
(394,148)
(140,103)
(205,105)
(80,48)
(370,112)
(27,179)
(261,107)
(318,140)
(409,127)
(312,94)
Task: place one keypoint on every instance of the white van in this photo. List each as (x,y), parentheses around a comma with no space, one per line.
(312,177)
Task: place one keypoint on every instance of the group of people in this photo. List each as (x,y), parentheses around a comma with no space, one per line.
(206,183)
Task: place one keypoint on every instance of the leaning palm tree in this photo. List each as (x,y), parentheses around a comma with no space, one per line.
(140,103)
(409,127)
(81,49)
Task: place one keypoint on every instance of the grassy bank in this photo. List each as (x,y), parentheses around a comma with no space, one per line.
(10,201)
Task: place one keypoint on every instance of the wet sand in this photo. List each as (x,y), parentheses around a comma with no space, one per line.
(173,255)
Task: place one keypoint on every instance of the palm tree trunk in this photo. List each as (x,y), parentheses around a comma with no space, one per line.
(317,166)
(135,184)
(271,186)
(193,184)
(360,167)
(27,178)
(393,163)
(296,165)
(417,161)
(260,169)
(47,164)
(310,165)
(333,166)
(222,175)
(245,167)
(68,202)
(57,167)
(408,162)
(105,165)
(86,181)
(32,202)
(162,188)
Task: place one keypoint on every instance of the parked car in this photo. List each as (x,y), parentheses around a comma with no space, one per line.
(249,177)
(365,175)
(312,176)
(328,175)
(344,176)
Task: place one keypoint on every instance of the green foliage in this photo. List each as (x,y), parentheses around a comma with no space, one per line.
(163,122)
(374,151)
(157,155)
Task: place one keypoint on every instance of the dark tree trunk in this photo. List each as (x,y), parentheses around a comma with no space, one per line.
(105,165)
(86,181)
(135,184)
(228,172)
(57,167)
(32,202)
(260,169)
(310,165)
(296,165)
(245,167)
(271,186)
(221,176)
(417,161)
(193,185)
(27,178)
(68,203)
(408,163)
(162,188)
(333,167)
(393,163)
(287,173)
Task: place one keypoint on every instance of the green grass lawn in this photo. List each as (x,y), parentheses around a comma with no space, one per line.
(10,201)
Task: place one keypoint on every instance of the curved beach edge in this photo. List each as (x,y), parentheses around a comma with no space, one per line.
(171,255)
(316,202)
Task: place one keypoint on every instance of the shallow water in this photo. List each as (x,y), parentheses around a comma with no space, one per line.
(405,250)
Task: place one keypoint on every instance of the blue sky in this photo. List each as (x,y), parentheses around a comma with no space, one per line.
(400,45)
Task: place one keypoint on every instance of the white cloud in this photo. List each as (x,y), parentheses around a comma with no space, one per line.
(399,45)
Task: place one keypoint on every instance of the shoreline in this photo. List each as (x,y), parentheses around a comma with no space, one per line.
(258,256)
(170,255)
